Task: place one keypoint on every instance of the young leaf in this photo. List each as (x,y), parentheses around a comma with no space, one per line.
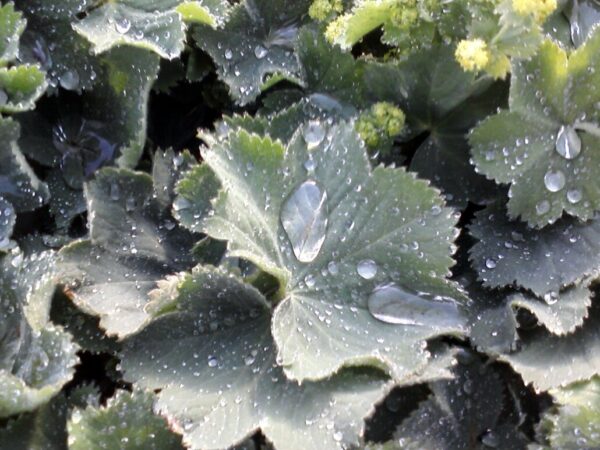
(22,87)
(156,26)
(542,261)
(543,146)
(11,28)
(549,361)
(126,422)
(335,233)
(134,242)
(575,420)
(441,99)
(36,358)
(217,343)
(18,184)
(256,43)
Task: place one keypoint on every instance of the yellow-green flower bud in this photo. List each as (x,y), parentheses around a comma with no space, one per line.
(472,54)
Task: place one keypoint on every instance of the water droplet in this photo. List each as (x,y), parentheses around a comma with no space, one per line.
(228,54)
(313,133)
(332,267)
(542,207)
(391,303)
(554,181)
(260,52)
(574,196)
(490,263)
(212,361)
(69,80)
(181,203)
(122,25)
(367,268)
(489,439)
(304,219)
(568,142)
(551,298)
(310,165)
(338,436)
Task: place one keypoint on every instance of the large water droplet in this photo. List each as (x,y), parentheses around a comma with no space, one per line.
(392,304)
(367,268)
(554,180)
(260,52)
(304,219)
(568,142)
(314,133)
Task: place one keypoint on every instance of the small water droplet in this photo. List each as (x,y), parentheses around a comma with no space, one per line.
(574,196)
(332,267)
(260,52)
(310,165)
(228,54)
(122,25)
(367,268)
(542,207)
(393,304)
(490,263)
(338,436)
(313,133)
(69,80)
(554,180)
(212,361)
(551,298)
(304,219)
(489,439)
(568,142)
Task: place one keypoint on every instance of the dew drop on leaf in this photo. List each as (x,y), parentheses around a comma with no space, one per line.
(542,207)
(393,304)
(568,142)
(122,25)
(367,268)
(69,80)
(574,196)
(260,52)
(304,219)
(313,133)
(490,263)
(554,180)
(228,54)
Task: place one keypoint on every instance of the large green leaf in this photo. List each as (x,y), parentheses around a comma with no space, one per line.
(50,41)
(542,261)
(256,43)
(575,420)
(18,184)
(214,360)
(544,146)
(36,357)
(335,234)
(134,242)
(441,99)
(156,26)
(126,422)
(547,361)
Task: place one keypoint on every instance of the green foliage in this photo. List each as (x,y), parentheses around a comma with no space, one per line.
(315,224)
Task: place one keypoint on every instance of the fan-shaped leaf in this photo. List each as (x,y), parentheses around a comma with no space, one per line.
(217,343)
(544,146)
(334,235)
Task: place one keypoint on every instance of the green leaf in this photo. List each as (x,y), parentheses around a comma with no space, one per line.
(548,361)
(155,26)
(134,242)
(194,193)
(18,184)
(126,422)
(217,344)
(7,223)
(543,261)
(583,17)
(543,147)
(36,357)
(575,420)
(332,235)
(441,99)
(257,42)
(66,203)
(209,12)
(11,28)
(50,41)
(461,413)
(23,85)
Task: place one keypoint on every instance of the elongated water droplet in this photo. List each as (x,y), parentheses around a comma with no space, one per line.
(554,180)
(304,219)
(260,52)
(367,268)
(313,133)
(391,303)
(568,142)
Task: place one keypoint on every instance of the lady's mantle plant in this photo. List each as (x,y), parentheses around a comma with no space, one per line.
(299,224)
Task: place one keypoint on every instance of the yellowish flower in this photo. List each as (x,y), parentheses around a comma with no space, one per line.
(472,54)
(321,9)
(540,9)
(336,29)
